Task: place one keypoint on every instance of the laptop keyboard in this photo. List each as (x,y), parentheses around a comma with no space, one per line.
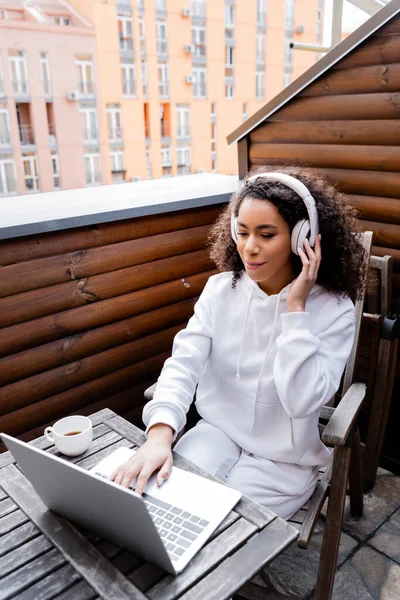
(177,528)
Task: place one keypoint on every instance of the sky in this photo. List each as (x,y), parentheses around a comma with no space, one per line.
(352,18)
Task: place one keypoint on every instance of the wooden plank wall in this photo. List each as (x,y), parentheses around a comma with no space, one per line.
(346,126)
(88,315)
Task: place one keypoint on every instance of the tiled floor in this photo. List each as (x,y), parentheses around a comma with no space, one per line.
(369,557)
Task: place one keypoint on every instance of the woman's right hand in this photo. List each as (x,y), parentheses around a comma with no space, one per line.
(155,454)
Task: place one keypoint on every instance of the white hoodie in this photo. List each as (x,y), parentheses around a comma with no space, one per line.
(263,374)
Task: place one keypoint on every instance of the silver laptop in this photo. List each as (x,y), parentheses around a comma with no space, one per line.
(167,525)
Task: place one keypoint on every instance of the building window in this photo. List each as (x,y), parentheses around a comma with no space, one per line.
(2,88)
(199,40)
(163,80)
(4,127)
(128,74)
(64,21)
(3,14)
(320,25)
(8,177)
(229,61)
(125,33)
(31,174)
(19,73)
(287,78)
(245,115)
(198,8)
(143,69)
(117,160)
(182,121)
(45,73)
(260,85)
(114,123)
(199,84)
(229,91)
(56,171)
(85,76)
(142,35)
(161,5)
(89,124)
(166,161)
(229,21)
(161,28)
(183,160)
(261,13)
(260,53)
(149,168)
(92,169)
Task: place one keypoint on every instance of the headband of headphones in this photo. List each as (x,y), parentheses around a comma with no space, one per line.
(300,189)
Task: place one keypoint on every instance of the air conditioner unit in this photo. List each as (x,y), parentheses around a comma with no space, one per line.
(198,171)
(73,95)
(188,49)
(186,11)
(135,178)
(301,29)
(189,79)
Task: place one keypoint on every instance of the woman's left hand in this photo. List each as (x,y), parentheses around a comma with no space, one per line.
(303,285)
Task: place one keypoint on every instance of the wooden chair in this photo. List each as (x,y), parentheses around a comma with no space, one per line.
(385,325)
(342,433)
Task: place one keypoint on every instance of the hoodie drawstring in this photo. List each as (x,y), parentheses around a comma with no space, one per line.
(265,358)
(243,333)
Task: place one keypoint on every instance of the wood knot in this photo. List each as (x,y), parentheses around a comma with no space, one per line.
(383,69)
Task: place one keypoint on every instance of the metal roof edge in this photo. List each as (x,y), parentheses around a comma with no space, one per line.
(369,27)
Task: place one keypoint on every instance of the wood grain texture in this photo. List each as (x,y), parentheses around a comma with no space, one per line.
(375,158)
(344,417)
(228,577)
(345,106)
(379,50)
(34,304)
(379,132)
(63,324)
(361,80)
(86,560)
(81,238)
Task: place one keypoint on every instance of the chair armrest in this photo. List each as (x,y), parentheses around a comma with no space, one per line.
(345,415)
(149,393)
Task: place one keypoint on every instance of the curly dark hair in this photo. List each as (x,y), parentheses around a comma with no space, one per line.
(343,267)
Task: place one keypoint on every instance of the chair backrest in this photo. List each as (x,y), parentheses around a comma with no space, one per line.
(366,241)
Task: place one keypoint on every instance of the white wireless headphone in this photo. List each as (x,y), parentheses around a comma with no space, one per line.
(305,228)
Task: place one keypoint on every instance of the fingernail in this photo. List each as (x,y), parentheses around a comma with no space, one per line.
(299,250)
(160,481)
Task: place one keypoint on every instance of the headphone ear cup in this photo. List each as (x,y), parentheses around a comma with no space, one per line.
(234,228)
(300,232)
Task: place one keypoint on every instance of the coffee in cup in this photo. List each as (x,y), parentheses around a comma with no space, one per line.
(71,435)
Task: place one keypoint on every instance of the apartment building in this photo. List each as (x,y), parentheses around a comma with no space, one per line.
(105,91)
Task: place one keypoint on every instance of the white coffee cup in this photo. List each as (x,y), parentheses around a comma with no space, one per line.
(71,435)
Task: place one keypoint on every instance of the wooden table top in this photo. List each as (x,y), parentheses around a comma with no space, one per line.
(43,556)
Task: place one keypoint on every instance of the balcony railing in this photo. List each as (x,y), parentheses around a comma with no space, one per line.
(5,139)
(26,135)
(32,184)
(52,135)
(163,89)
(20,87)
(57,182)
(86,88)
(115,134)
(8,186)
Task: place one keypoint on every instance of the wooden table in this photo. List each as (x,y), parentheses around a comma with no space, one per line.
(44,556)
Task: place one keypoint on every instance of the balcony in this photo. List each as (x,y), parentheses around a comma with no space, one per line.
(165,129)
(21,88)
(26,136)
(86,90)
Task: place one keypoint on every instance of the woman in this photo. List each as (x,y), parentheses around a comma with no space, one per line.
(266,346)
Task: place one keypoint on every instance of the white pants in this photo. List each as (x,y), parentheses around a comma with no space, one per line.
(281,487)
